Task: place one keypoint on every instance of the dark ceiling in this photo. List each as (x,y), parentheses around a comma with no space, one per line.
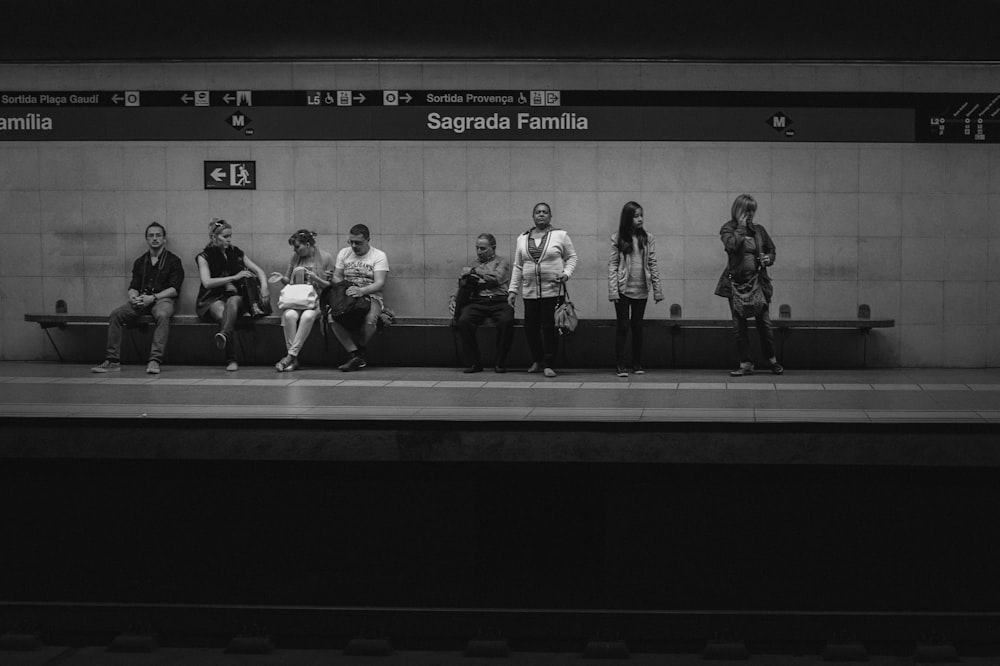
(703,30)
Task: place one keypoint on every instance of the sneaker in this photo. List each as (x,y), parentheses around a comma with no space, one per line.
(535,367)
(232,366)
(742,371)
(621,371)
(107,366)
(352,364)
(638,369)
(473,368)
(549,372)
(220,340)
(153,368)
(776,368)
(500,369)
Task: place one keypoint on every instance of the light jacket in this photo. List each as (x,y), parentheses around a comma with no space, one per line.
(540,279)
(619,266)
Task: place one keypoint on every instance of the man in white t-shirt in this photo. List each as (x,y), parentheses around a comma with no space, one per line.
(366,269)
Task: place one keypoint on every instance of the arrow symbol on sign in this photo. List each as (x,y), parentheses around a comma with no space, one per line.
(218,174)
(116,98)
(359,98)
(227,98)
(186,98)
(406,98)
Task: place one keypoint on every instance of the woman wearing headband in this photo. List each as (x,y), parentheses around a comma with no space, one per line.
(308,265)
(223,268)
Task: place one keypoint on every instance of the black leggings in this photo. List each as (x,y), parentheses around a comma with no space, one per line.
(540,329)
(626,323)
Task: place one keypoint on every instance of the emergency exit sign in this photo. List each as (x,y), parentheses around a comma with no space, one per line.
(231,175)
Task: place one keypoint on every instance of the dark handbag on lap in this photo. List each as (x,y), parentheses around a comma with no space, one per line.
(254,302)
(467,287)
(341,308)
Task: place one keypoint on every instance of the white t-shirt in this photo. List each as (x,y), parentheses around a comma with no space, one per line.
(360,270)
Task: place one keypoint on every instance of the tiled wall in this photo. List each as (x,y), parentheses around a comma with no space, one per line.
(912,230)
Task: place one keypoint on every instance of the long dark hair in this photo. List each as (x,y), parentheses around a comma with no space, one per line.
(627,232)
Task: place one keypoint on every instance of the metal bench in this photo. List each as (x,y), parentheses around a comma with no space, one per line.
(63,321)
(676,324)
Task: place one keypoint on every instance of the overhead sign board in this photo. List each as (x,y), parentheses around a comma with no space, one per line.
(471,115)
(224,175)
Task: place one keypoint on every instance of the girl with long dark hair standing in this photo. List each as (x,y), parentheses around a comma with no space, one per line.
(631,269)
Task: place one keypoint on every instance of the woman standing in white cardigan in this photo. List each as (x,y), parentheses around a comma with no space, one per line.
(544,259)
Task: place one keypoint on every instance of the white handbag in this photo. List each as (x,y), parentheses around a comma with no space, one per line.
(297,297)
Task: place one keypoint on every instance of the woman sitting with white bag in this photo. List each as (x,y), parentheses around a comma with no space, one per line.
(299,299)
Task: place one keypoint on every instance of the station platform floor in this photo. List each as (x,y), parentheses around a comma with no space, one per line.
(859,469)
(50,390)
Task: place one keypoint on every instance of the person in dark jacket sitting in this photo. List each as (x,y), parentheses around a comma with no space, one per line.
(749,251)
(223,268)
(156,282)
(489,275)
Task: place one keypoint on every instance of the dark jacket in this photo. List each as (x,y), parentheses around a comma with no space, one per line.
(219,265)
(739,246)
(168,272)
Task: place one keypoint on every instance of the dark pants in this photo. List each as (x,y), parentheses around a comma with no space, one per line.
(475,313)
(629,321)
(764,329)
(126,314)
(540,329)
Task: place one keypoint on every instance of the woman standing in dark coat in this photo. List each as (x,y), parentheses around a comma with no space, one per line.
(749,251)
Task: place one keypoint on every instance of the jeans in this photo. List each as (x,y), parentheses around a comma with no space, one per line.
(225,311)
(357,339)
(540,329)
(126,314)
(475,313)
(764,329)
(625,323)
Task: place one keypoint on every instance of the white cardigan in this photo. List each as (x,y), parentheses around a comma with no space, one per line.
(540,279)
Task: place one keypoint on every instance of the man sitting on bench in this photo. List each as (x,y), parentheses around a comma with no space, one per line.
(156,282)
(486,299)
(365,268)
